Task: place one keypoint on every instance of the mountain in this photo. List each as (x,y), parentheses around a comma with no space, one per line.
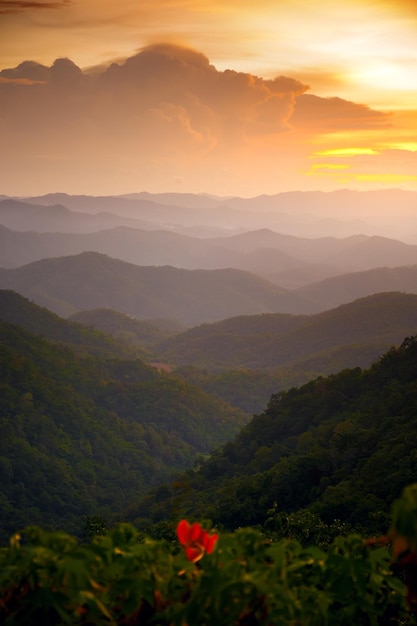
(23,216)
(15,309)
(340,254)
(341,447)
(161,247)
(84,435)
(270,341)
(389,213)
(66,285)
(288,261)
(128,244)
(345,288)
(126,328)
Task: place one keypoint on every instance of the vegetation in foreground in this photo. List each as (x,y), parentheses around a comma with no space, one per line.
(235,579)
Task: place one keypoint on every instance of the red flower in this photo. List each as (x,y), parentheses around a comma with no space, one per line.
(195,540)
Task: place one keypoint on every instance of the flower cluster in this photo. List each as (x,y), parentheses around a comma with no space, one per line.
(195,540)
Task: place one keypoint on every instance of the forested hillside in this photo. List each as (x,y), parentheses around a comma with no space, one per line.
(269,341)
(16,309)
(129,330)
(341,447)
(81,435)
(246,359)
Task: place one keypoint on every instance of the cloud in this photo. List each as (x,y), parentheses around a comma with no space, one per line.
(161,115)
(28,70)
(61,70)
(335,113)
(17,6)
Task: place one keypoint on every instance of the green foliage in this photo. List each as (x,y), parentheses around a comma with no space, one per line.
(346,336)
(304,526)
(249,390)
(81,435)
(342,447)
(94,525)
(124,578)
(15,309)
(126,328)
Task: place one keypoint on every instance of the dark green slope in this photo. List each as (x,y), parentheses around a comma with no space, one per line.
(81,435)
(270,341)
(126,328)
(250,389)
(16,309)
(246,359)
(342,446)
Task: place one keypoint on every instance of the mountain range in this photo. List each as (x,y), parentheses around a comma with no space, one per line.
(272,340)
(91,280)
(83,429)
(332,454)
(31,231)
(241,360)
(187,314)
(389,213)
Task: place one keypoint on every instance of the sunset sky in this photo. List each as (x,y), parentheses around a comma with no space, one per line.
(226,97)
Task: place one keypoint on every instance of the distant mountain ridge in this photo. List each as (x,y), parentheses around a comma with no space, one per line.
(389,213)
(93,280)
(347,287)
(90,280)
(22,216)
(288,261)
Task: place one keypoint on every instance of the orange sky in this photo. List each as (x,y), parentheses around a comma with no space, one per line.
(231,98)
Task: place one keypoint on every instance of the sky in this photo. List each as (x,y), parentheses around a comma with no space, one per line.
(207,96)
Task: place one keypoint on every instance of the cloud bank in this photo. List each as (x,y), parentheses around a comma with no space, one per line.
(162,116)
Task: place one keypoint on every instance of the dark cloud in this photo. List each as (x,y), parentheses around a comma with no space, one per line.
(28,70)
(16,6)
(61,71)
(64,70)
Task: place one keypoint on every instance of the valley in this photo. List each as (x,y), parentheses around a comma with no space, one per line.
(137,344)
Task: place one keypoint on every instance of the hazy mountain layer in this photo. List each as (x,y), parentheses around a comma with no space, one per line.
(66,285)
(288,261)
(23,216)
(390,213)
(345,288)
